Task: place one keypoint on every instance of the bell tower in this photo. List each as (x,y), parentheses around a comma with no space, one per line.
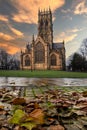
(45,26)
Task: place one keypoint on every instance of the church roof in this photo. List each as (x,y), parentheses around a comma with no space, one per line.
(58,45)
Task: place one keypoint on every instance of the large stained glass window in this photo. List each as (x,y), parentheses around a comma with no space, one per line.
(53,60)
(39,53)
(27,60)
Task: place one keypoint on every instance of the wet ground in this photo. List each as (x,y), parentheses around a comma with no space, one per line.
(16,81)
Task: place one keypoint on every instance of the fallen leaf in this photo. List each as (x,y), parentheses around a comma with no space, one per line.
(38,115)
(84,94)
(18,101)
(17,117)
(1,107)
(56,127)
(29,125)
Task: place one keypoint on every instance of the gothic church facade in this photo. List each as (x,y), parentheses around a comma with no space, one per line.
(42,53)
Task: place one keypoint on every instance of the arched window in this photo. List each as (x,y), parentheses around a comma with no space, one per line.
(41,23)
(46,23)
(27,60)
(39,53)
(53,60)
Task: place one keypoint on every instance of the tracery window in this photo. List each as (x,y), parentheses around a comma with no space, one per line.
(53,60)
(39,53)
(46,23)
(27,60)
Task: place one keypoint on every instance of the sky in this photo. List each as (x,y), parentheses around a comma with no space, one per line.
(18,22)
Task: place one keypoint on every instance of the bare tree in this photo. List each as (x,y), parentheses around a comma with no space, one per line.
(8,61)
(3,59)
(83,48)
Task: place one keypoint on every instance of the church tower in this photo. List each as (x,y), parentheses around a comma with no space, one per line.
(42,53)
(45,27)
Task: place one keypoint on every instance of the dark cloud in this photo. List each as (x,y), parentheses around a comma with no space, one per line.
(7,7)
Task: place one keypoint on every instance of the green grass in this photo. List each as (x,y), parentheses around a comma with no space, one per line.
(42,74)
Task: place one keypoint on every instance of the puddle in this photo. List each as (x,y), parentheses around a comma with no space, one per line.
(16,81)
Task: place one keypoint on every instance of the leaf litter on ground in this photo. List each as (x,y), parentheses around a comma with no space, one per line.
(52,108)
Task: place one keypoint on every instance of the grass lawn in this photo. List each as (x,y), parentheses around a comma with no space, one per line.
(42,74)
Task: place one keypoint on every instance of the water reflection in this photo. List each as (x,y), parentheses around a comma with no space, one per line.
(16,81)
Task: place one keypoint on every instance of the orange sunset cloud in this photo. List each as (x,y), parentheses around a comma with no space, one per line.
(27,10)
(16,32)
(81,8)
(3,18)
(10,48)
(66,37)
(6,37)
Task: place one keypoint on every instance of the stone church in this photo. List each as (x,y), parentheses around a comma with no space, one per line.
(42,53)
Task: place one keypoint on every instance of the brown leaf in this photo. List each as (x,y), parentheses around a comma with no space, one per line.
(84,94)
(38,115)
(74,94)
(19,101)
(1,95)
(1,107)
(56,127)
(19,128)
(2,112)
(84,109)
(36,105)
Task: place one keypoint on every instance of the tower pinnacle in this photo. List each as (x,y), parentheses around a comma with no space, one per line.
(45,27)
